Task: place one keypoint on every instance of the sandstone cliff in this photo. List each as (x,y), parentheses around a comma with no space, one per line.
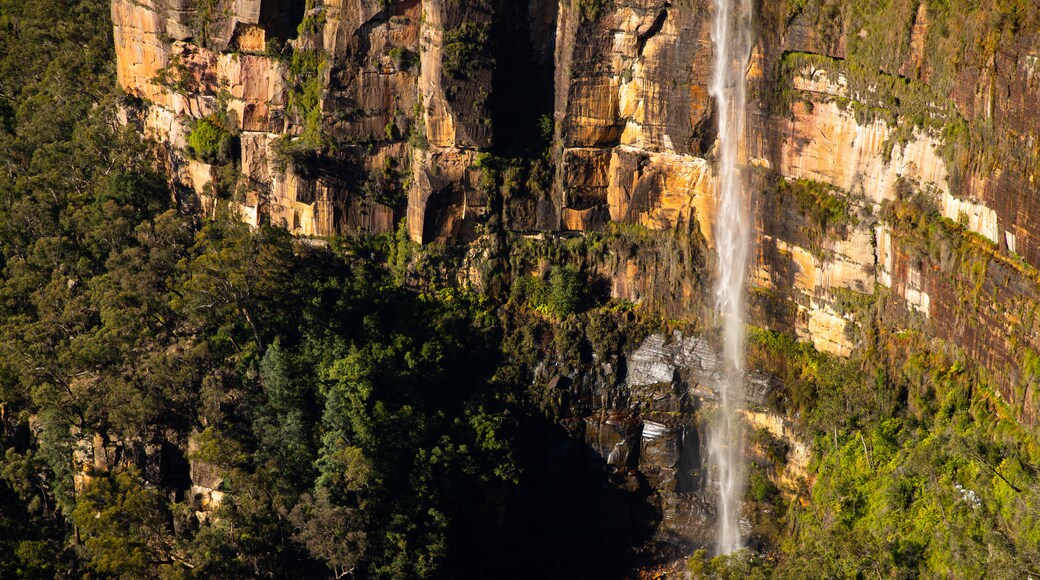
(405,94)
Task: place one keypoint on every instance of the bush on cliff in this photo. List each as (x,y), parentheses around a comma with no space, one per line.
(561,293)
(210,142)
(465,50)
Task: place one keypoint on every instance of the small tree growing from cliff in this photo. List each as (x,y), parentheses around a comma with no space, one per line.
(465,50)
(211,143)
(566,291)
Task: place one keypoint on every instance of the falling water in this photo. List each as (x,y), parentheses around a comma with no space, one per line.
(732,36)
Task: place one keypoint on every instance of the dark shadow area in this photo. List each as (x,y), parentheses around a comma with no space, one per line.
(280,19)
(690,461)
(440,219)
(569,516)
(708,129)
(175,470)
(654,28)
(521,101)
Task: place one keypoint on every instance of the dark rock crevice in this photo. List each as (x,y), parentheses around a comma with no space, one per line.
(521,103)
(655,27)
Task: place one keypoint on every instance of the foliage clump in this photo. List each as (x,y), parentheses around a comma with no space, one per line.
(562,293)
(208,18)
(918,462)
(590,10)
(210,142)
(364,416)
(826,207)
(305,90)
(465,49)
(738,565)
(403,58)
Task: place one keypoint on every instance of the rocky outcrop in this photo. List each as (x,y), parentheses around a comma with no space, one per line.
(405,93)
(631,105)
(794,473)
(160,462)
(343,113)
(645,432)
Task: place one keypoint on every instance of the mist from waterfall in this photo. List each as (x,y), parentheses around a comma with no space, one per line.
(732,37)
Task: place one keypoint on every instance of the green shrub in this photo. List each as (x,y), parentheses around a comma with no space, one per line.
(818,201)
(403,58)
(313,23)
(760,488)
(208,18)
(175,76)
(566,291)
(589,9)
(464,50)
(562,293)
(743,564)
(211,143)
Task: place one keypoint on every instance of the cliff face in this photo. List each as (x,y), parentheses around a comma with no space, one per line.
(634,131)
(337,110)
(405,96)
(856,138)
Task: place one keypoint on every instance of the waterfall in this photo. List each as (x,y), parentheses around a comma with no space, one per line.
(732,37)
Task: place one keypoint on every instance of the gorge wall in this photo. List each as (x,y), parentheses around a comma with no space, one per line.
(389,119)
(881,166)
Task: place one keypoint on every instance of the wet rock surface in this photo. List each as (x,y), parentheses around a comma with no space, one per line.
(646,441)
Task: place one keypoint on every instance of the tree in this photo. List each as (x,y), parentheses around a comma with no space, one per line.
(282,424)
(331,533)
(125,525)
(567,292)
(210,142)
(240,285)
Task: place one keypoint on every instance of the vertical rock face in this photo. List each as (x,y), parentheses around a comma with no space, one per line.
(632,112)
(406,88)
(644,435)
(343,111)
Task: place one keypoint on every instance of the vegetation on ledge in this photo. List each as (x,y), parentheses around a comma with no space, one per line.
(210,142)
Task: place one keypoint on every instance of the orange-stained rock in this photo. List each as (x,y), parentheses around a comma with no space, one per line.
(444,200)
(661,190)
(140,52)
(827,144)
(636,76)
(249,38)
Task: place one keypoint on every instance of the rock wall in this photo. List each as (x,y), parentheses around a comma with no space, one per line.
(407,89)
(645,435)
(391,129)
(633,115)
(634,131)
